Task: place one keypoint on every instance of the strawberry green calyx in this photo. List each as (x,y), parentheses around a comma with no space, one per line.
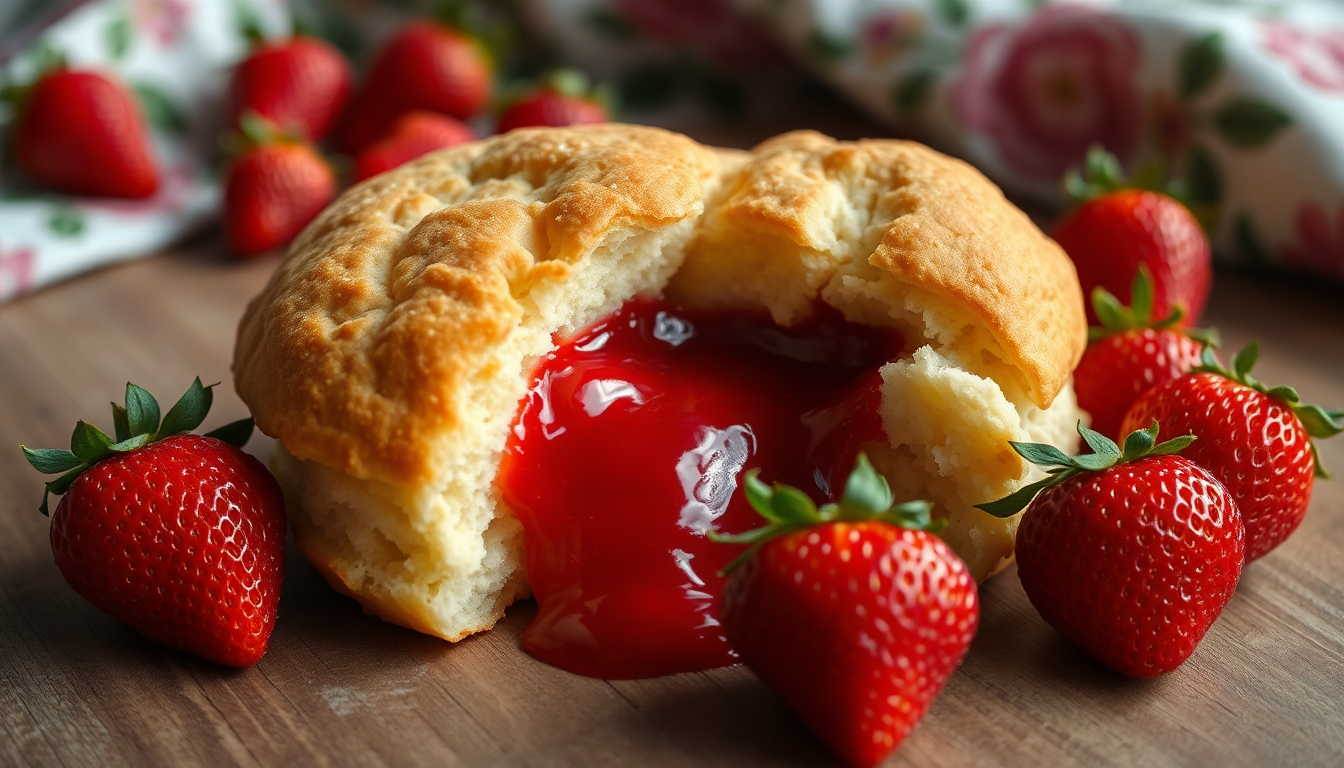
(1319,422)
(1102,175)
(1141,444)
(1116,318)
(867,497)
(135,425)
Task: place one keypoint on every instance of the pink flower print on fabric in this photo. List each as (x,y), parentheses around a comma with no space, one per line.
(17,272)
(889,35)
(1318,56)
(1047,91)
(1320,241)
(163,20)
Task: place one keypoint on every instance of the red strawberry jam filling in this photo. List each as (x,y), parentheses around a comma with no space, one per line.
(630,447)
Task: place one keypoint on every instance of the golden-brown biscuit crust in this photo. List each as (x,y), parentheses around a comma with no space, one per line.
(354,353)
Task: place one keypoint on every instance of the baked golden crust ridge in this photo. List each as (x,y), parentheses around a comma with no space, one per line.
(354,353)
(931,221)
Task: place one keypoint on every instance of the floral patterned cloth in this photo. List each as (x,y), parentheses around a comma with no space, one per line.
(174,54)
(1244,99)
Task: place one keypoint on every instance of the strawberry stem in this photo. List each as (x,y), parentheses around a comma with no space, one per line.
(1117,318)
(866,497)
(1319,422)
(135,424)
(1140,444)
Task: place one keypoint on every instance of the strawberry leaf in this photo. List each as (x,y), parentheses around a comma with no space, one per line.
(792,506)
(136,425)
(1018,500)
(1094,462)
(758,493)
(1286,394)
(1099,443)
(1040,454)
(1172,446)
(142,411)
(1245,360)
(1106,454)
(131,444)
(51,461)
(189,411)
(89,443)
(1141,294)
(61,484)
(235,433)
(121,425)
(1140,442)
(1318,422)
(1117,318)
(867,497)
(1321,471)
(866,491)
(916,515)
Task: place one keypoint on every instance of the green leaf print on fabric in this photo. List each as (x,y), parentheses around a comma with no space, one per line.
(955,12)
(163,114)
(1248,243)
(913,90)
(1204,181)
(118,35)
(1201,63)
(66,221)
(1248,122)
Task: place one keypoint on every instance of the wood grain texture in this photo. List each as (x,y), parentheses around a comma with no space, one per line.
(341,688)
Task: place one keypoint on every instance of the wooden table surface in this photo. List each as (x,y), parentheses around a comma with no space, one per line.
(341,688)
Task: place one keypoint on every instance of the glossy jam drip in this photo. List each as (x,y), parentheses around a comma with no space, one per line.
(631,445)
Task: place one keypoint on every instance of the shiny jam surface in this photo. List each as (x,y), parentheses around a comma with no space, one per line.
(631,445)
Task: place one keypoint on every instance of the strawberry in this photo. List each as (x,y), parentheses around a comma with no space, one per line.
(414,134)
(82,133)
(272,189)
(1131,352)
(1255,439)
(563,99)
(426,66)
(179,536)
(300,84)
(855,614)
(1130,554)
(1115,229)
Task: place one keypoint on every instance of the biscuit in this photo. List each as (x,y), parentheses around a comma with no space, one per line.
(389,352)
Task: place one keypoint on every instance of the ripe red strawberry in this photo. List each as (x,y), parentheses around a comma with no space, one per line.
(855,614)
(1131,352)
(564,99)
(180,536)
(300,84)
(1117,228)
(272,189)
(81,133)
(1132,555)
(1255,439)
(414,134)
(426,66)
